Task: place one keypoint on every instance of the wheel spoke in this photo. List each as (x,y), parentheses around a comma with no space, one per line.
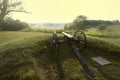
(80,38)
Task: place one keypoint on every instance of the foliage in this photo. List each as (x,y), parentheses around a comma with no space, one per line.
(10,24)
(8,6)
(102,27)
(80,23)
(95,23)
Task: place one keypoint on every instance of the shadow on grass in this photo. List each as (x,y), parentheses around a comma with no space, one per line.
(62,60)
(59,67)
(60,70)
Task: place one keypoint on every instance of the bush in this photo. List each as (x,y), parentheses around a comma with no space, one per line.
(102,27)
(10,24)
(26,29)
(79,23)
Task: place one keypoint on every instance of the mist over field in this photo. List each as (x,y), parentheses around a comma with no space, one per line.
(47,25)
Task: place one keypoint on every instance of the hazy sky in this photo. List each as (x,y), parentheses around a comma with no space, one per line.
(67,10)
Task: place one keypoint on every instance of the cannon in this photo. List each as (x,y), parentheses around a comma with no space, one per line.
(78,43)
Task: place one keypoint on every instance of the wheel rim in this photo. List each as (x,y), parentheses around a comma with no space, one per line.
(80,39)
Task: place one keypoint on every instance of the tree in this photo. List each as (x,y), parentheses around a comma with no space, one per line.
(10,24)
(116,22)
(102,27)
(8,6)
(79,23)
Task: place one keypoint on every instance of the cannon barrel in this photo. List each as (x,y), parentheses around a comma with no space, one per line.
(67,35)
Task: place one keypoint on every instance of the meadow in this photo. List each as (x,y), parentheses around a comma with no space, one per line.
(111,34)
(29,55)
(17,51)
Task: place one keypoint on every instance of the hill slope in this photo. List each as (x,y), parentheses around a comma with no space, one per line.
(32,57)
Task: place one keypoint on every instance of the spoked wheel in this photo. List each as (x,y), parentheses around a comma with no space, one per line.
(55,43)
(80,39)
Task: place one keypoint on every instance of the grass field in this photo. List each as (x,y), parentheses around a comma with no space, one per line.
(9,37)
(111,34)
(30,56)
(106,44)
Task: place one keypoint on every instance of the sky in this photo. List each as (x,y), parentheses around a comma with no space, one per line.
(64,11)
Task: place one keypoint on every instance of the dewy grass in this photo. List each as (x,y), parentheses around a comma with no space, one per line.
(11,37)
(17,60)
(100,47)
(30,56)
(110,32)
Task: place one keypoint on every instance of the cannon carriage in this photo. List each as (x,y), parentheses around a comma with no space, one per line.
(78,43)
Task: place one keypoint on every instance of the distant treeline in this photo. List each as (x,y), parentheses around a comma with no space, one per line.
(95,23)
(10,24)
(81,23)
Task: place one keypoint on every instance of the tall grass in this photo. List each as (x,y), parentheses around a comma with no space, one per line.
(30,56)
(17,58)
(12,36)
(104,34)
(111,52)
(111,32)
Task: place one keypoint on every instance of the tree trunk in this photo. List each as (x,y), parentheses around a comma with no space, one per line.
(3,11)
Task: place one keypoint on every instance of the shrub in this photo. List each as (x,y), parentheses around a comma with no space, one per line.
(10,24)
(102,27)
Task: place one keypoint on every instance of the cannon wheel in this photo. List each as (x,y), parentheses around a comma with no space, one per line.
(55,42)
(80,39)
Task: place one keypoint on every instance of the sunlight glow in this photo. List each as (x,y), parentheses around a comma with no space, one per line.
(67,10)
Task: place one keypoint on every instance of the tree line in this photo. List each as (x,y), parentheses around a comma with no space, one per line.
(10,24)
(81,23)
